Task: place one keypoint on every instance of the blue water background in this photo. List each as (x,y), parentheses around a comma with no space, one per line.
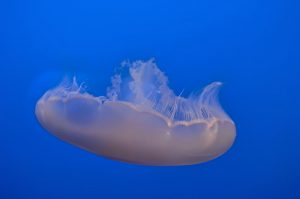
(253,46)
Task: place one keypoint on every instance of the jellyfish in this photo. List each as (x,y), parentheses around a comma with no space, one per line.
(140,120)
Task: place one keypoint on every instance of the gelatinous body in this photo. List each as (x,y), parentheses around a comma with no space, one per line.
(140,120)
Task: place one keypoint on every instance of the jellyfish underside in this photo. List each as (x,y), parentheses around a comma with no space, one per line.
(140,120)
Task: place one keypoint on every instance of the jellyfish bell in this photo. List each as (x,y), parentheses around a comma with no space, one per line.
(140,120)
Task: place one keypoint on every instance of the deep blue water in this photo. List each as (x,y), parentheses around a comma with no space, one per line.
(253,46)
